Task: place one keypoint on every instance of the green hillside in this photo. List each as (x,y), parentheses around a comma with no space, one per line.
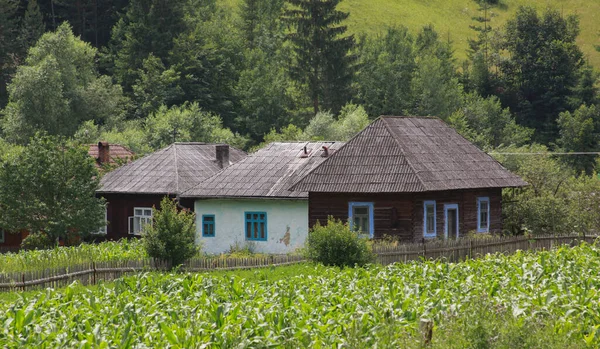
(453,17)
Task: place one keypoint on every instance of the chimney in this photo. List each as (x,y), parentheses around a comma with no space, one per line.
(325,152)
(103,153)
(222,155)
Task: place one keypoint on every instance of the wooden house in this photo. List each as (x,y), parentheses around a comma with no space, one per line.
(131,191)
(412,178)
(249,203)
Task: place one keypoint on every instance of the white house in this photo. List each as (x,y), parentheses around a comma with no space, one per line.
(249,203)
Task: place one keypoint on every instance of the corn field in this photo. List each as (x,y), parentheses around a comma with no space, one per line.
(377,306)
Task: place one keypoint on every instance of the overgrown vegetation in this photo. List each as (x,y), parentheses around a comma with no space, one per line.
(171,236)
(525,300)
(335,244)
(66,256)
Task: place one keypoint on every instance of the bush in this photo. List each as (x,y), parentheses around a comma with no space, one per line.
(37,241)
(335,244)
(170,239)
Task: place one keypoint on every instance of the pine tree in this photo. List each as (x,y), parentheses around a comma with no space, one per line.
(323,62)
(32,26)
(8,45)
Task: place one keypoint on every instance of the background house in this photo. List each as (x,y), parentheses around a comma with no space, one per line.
(110,154)
(132,190)
(250,204)
(409,177)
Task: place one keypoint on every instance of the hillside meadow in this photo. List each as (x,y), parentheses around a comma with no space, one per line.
(452,18)
(526,300)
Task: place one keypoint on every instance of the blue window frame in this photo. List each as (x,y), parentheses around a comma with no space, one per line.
(360,217)
(429,219)
(256,226)
(208,225)
(483,214)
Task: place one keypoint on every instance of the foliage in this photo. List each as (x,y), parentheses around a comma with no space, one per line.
(580,132)
(57,88)
(336,244)
(525,300)
(484,122)
(387,65)
(171,236)
(50,187)
(555,201)
(322,58)
(37,241)
(65,257)
(543,69)
(187,123)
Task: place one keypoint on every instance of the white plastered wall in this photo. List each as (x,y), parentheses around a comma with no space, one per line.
(287,224)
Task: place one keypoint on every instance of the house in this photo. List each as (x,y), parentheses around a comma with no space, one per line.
(109,154)
(132,190)
(249,203)
(412,178)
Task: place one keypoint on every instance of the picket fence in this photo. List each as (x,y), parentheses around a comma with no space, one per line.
(451,250)
(461,249)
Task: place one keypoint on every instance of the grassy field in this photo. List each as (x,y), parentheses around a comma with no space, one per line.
(526,300)
(453,17)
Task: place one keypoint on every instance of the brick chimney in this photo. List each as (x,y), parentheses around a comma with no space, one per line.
(103,153)
(222,153)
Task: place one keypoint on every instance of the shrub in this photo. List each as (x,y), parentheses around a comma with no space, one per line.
(170,238)
(37,241)
(335,244)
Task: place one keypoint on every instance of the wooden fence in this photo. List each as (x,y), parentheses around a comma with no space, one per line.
(451,250)
(92,273)
(461,249)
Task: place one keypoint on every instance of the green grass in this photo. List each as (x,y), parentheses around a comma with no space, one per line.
(452,18)
(525,300)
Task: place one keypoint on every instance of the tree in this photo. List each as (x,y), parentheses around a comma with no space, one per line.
(8,46)
(580,132)
(435,87)
(32,26)
(49,187)
(386,68)
(543,69)
(187,123)
(147,27)
(484,122)
(171,236)
(57,88)
(155,86)
(322,59)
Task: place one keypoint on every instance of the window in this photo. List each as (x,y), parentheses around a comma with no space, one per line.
(429,219)
(483,215)
(142,216)
(103,229)
(1,236)
(360,216)
(256,226)
(208,225)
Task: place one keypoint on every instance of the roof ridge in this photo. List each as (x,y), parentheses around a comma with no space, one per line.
(293,186)
(176,170)
(387,128)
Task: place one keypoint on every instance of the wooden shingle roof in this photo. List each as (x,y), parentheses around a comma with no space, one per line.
(170,170)
(407,154)
(267,173)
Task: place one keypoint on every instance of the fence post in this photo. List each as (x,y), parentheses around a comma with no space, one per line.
(93,273)
(424,250)
(23,281)
(470,249)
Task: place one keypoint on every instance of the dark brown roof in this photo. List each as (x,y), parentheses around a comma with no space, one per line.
(171,170)
(407,154)
(267,173)
(116,152)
